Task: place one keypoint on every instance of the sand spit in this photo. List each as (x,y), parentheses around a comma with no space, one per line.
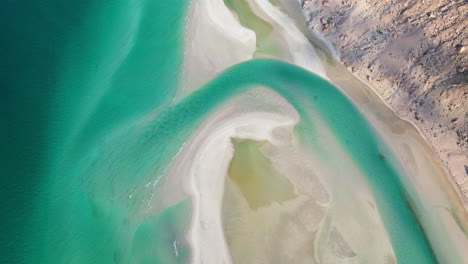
(328,217)
(216,40)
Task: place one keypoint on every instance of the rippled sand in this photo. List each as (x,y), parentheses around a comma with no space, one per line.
(302,212)
(207,131)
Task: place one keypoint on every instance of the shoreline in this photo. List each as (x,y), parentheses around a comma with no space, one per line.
(365,103)
(324,49)
(437,158)
(426,91)
(419,174)
(206,187)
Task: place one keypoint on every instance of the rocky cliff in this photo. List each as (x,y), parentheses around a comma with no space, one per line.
(414,54)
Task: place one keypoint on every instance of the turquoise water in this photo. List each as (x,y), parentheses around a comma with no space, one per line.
(356,136)
(73,73)
(89,129)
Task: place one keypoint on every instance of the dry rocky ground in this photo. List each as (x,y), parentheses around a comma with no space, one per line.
(414,54)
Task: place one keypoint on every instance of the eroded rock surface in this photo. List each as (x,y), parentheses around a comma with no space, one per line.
(414,54)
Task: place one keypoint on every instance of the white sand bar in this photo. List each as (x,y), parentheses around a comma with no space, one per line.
(330,216)
(215,40)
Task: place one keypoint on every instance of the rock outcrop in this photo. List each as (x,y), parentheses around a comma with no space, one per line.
(414,54)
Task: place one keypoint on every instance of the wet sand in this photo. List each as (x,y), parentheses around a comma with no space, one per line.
(216,195)
(230,219)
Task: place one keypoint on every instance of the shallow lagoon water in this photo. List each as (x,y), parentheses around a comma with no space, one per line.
(109,131)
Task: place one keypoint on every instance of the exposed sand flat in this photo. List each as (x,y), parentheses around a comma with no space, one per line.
(325,217)
(206,175)
(298,46)
(214,192)
(420,165)
(215,40)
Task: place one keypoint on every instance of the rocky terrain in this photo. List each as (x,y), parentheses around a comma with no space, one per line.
(414,54)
